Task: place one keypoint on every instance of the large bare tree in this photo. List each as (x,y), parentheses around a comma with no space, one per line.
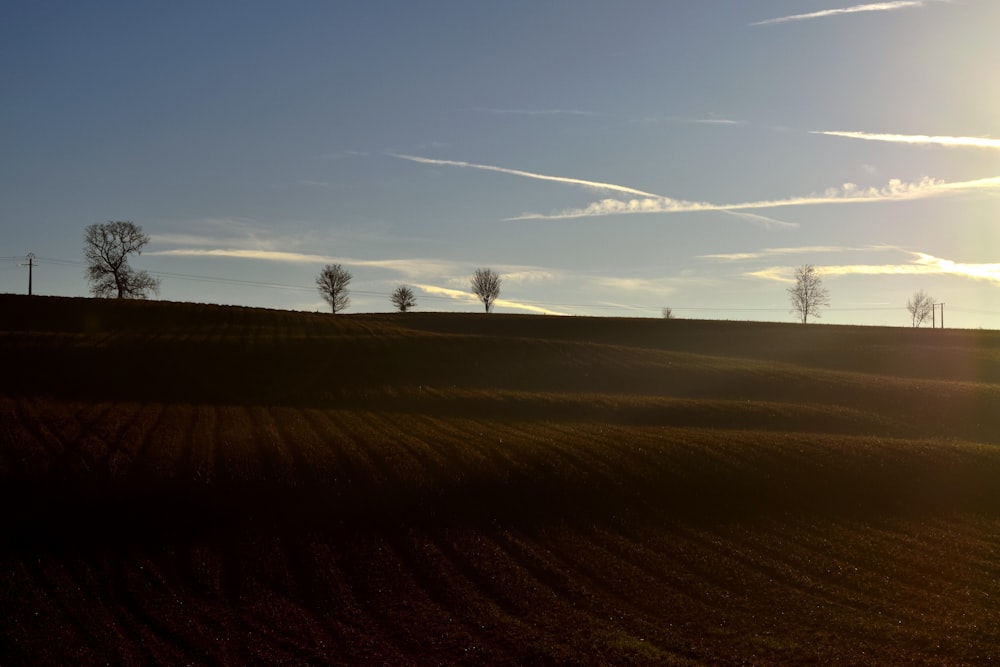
(921,307)
(808,293)
(106,247)
(486,286)
(403,298)
(332,283)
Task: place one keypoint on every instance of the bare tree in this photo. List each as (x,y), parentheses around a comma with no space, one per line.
(106,248)
(808,294)
(921,307)
(486,286)
(403,298)
(332,283)
(668,313)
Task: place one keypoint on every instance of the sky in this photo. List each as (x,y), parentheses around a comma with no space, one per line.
(606,158)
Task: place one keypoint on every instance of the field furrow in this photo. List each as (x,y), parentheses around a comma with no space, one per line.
(295,488)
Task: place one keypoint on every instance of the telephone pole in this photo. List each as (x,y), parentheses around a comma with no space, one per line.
(934,315)
(31,269)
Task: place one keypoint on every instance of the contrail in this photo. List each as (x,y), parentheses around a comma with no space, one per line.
(527,174)
(973,142)
(848,193)
(873,7)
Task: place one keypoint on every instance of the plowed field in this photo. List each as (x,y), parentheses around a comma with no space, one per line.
(189,484)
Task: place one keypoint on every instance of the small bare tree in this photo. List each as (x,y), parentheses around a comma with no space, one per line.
(808,293)
(921,307)
(332,283)
(486,286)
(106,248)
(668,313)
(403,298)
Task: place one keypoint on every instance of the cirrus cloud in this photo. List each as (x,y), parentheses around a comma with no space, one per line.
(922,264)
(848,193)
(647,202)
(469,298)
(241,253)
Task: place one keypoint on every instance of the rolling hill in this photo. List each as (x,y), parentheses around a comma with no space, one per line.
(195,484)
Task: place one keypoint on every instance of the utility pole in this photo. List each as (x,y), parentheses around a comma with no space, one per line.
(934,315)
(31,268)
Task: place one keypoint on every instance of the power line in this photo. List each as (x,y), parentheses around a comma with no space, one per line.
(191,276)
(61,262)
(975,310)
(234,281)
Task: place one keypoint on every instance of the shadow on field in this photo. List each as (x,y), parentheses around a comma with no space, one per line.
(797,477)
(192,484)
(518,380)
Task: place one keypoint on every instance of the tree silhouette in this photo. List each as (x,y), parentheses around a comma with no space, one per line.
(808,293)
(486,286)
(921,307)
(332,283)
(106,248)
(403,298)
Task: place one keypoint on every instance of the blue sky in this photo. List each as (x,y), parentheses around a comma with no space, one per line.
(605,158)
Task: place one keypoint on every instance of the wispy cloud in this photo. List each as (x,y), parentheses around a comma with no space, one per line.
(990,272)
(971,142)
(713,119)
(239,253)
(237,233)
(922,264)
(709,119)
(733,256)
(595,185)
(606,207)
(796,250)
(826,13)
(418,269)
(848,193)
(786,274)
(410,268)
(467,297)
(655,287)
(762,220)
(527,275)
(463,296)
(647,202)
(531,308)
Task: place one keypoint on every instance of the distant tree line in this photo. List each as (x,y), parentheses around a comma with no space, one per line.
(334,279)
(108,246)
(808,294)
